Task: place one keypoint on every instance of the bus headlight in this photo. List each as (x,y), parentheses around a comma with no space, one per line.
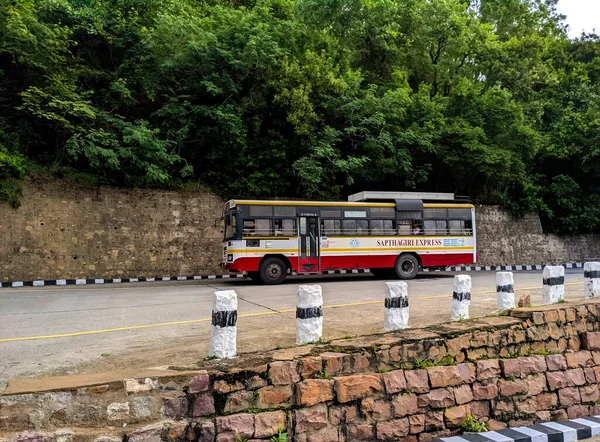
(230,258)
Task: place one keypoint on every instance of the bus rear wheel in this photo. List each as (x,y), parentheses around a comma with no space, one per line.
(272,271)
(407,266)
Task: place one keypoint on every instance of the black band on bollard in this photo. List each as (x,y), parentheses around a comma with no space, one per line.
(224,318)
(461,296)
(591,274)
(508,288)
(398,302)
(557,280)
(309,312)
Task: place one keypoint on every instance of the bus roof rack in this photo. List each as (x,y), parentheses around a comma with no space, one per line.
(379,195)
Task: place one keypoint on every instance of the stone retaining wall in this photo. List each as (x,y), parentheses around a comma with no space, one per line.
(62,231)
(536,365)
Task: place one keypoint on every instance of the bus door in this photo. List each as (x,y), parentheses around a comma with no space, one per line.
(308,244)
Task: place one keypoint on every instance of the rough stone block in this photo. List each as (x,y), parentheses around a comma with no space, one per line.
(239,401)
(205,432)
(256,382)
(199,383)
(342,414)
(511,367)
(310,365)
(361,432)
(536,384)
(274,396)
(455,416)
(394,381)
(467,372)
(481,392)
(310,419)
(417,423)
(314,391)
(283,372)
(434,420)
(524,301)
(578,411)
(444,376)
(438,398)
(269,423)
(532,365)
(494,425)
(579,359)
(141,407)
(589,393)
(223,386)
(140,385)
(556,362)
(417,381)
(463,394)
(334,362)
(376,409)
(354,387)
(510,388)
(117,411)
(392,430)
(479,409)
(569,396)
(147,434)
(237,424)
(487,369)
(204,405)
(404,404)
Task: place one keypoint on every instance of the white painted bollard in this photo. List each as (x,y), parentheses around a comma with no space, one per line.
(553,289)
(309,314)
(461,297)
(396,306)
(224,325)
(505,290)
(591,278)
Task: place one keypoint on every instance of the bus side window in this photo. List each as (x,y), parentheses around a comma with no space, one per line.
(441,227)
(377,227)
(362,227)
(257,227)
(330,227)
(404,227)
(429,227)
(469,227)
(456,227)
(388,227)
(349,227)
(285,227)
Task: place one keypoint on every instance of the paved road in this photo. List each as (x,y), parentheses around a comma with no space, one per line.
(174,318)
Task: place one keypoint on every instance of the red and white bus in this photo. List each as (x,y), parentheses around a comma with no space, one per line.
(385,232)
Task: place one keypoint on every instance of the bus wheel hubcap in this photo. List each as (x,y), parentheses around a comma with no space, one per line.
(407,266)
(273,271)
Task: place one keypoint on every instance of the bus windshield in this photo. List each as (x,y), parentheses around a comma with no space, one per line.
(230,225)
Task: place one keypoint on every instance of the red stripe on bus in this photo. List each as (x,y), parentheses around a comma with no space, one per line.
(360,262)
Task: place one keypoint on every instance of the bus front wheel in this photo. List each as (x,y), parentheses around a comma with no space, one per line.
(273,271)
(407,266)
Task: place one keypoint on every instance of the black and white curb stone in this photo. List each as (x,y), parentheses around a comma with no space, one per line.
(396,306)
(512,268)
(565,431)
(553,289)
(591,278)
(51,282)
(505,290)
(309,314)
(461,297)
(91,281)
(223,332)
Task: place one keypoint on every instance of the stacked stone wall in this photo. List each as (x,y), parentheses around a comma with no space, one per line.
(536,365)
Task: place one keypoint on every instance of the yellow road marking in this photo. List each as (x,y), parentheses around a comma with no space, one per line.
(245,315)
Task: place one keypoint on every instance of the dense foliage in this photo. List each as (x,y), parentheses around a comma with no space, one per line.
(309,98)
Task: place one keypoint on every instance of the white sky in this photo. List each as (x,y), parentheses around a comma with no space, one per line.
(581,15)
